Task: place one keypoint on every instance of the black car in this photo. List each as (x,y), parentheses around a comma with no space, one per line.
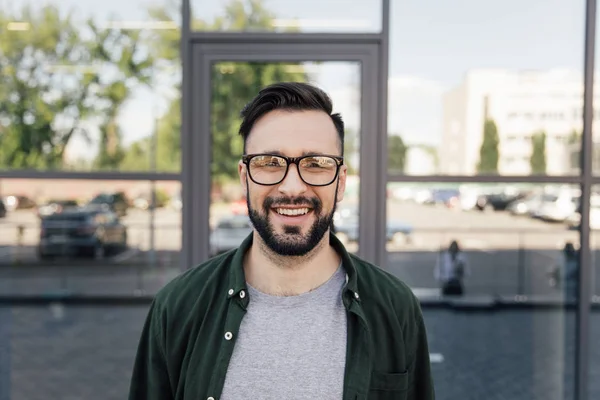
(116,202)
(497,201)
(93,232)
(55,206)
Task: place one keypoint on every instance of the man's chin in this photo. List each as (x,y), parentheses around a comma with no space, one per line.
(289,244)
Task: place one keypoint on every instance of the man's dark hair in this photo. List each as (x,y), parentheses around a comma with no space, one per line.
(289,96)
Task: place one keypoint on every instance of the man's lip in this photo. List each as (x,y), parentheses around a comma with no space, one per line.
(291,208)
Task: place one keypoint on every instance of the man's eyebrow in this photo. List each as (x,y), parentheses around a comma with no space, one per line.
(279,153)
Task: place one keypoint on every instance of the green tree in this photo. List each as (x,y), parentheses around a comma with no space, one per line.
(36,88)
(396,153)
(538,153)
(574,137)
(118,49)
(351,151)
(53,84)
(574,149)
(232,84)
(488,152)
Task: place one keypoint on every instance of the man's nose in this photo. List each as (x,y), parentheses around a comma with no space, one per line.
(292,185)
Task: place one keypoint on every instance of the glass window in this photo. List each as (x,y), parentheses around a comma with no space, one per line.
(88,237)
(513,248)
(287,16)
(493,64)
(68,342)
(90,85)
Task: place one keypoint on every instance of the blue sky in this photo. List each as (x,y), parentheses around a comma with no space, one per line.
(432,45)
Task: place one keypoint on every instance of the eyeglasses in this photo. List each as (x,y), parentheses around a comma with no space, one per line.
(271,169)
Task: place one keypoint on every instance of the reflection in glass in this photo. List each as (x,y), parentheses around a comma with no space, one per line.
(497,253)
(82,338)
(78,233)
(284,16)
(594,381)
(513,238)
(497,100)
(89,88)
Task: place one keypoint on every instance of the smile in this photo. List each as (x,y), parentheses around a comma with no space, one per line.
(292,211)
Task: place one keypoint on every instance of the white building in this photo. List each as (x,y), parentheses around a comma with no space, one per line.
(521,103)
(419,161)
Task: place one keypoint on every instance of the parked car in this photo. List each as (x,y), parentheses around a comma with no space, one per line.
(345,227)
(89,231)
(446,197)
(497,201)
(527,205)
(556,207)
(116,202)
(229,233)
(175,202)
(18,202)
(239,207)
(54,207)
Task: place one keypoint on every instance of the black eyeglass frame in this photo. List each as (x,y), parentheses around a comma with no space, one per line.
(246,158)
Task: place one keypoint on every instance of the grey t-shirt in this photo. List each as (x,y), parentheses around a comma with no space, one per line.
(291,347)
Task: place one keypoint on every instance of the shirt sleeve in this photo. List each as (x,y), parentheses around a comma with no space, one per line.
(150,377)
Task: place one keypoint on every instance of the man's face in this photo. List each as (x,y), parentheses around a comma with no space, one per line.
(278,212)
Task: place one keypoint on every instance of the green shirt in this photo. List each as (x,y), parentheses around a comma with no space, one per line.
(193,322)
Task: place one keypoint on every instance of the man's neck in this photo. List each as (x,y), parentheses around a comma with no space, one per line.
(286,275)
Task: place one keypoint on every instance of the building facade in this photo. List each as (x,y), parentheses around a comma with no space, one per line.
(522,104)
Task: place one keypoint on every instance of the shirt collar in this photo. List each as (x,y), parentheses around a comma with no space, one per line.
(237,278)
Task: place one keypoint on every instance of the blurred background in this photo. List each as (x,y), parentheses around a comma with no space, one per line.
(483,121)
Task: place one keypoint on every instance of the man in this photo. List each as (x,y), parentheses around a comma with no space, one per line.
(289,314)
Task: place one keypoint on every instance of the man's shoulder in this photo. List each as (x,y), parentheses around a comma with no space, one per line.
(196,282)
(384,288)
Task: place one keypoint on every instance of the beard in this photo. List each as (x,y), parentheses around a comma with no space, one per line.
(291,242)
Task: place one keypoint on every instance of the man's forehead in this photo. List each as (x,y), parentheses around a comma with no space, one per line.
(294,131)
(295,153)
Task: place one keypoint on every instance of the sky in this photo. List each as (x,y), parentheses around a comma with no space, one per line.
(432,45)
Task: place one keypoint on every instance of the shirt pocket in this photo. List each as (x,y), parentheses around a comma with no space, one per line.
(388,386)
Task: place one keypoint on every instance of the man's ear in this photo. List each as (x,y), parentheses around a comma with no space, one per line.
(341,188)
(243,177)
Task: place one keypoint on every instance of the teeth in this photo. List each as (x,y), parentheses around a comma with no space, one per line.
(295,211)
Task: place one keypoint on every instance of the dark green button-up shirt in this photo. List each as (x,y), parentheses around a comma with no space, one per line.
(193,322)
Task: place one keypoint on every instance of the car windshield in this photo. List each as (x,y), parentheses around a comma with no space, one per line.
(101,198)
(549,198)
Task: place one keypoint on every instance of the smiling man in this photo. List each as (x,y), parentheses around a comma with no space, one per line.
(290,314)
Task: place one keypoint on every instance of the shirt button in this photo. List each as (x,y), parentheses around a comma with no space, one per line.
(230,293)
(211,398)
(242,294)
(356,296)
(228,336)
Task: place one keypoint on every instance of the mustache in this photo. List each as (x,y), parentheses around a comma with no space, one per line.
(287,201)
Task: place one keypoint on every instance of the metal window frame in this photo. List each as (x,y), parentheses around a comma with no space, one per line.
(377,208)
(209,48)
(582,358)
(376,174)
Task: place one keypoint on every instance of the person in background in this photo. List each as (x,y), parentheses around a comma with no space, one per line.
(565,275)
(451,269)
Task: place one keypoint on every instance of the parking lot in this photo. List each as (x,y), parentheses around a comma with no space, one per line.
(506,254)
